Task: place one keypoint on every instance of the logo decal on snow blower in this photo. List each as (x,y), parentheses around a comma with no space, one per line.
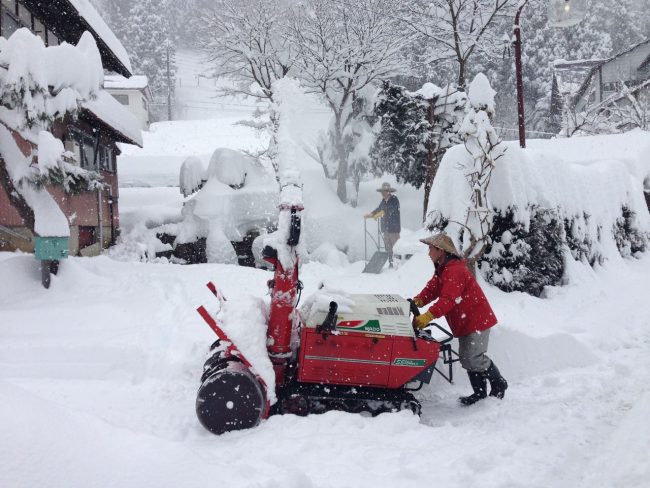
(409,362)
(360,325)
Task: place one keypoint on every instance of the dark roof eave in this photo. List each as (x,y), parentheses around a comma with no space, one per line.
(118,136)
(53,14)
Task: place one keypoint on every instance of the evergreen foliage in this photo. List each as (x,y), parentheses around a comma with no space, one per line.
(525,257)
(629,240)
(401,147)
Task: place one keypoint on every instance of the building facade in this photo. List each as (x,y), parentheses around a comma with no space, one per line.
(133,93)
(92,136)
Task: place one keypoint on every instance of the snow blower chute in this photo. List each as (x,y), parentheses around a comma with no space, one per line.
(364,356)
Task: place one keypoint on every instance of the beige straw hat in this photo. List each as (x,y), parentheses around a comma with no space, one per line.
(442,241)
(385,186)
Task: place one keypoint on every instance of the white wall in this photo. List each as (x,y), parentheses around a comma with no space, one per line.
(136,105)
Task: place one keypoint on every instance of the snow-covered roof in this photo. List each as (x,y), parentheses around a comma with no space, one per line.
(94,20)
(119,82)
(116,116)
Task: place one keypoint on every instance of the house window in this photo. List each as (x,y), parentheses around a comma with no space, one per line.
(52,40)
(123,99)
(9,24)
(106,161)
(74,147)
(25,16)
(88,160)
(83,147)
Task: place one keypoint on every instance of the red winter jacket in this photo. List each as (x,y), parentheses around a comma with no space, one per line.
(460,299)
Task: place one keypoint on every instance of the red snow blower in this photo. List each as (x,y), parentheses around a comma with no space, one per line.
(364,357)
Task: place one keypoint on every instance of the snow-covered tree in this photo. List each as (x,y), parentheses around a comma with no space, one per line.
(243,41)
(484,147)
(457,30)
(38,86)
(340,49)
(151,46)
(402,145)
(415,130)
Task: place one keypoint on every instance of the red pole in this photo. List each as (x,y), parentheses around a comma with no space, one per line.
(519,77)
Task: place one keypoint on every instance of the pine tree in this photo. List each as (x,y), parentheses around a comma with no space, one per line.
(401,145)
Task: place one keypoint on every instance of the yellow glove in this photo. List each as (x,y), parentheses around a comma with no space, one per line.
(422,320)
(378,215)
(418,302)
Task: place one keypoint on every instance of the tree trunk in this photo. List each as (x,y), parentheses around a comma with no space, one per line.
(342,171)
(431,166)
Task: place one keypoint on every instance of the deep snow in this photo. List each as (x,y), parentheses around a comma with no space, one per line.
(99,375)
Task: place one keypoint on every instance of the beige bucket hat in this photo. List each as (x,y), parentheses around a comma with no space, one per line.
(442,241)
(385,186)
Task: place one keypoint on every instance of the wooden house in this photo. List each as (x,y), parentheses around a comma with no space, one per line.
(93,216)
(579,86)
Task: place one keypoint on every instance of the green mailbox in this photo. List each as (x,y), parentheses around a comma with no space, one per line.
(51,248)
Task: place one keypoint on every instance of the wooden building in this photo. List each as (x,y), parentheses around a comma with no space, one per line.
(92,137)
(583,85)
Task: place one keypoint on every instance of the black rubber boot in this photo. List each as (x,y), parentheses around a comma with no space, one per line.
(498,384)
(479,385)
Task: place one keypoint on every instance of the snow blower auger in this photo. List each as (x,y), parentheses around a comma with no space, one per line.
(362,355)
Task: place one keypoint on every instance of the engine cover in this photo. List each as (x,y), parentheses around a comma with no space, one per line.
(373,344)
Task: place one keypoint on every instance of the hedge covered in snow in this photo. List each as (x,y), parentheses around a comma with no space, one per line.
(577,199)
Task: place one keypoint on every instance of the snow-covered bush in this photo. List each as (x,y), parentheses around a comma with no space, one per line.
(525,258)
(192,176)
(237,197)
(578,199)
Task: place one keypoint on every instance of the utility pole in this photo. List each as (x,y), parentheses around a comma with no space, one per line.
(561,13)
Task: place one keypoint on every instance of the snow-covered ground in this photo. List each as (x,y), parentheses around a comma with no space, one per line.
(98,377)
(98,374)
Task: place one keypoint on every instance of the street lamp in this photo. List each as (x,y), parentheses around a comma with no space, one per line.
(561,13)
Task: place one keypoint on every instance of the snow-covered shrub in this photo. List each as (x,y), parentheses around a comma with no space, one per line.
(525,258)
(237,197)
(577,199)
(580,239)
(629,240)
(192,176)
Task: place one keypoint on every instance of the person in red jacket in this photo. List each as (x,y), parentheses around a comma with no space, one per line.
(461,301)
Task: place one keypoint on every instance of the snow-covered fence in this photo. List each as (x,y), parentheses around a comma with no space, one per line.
(577,199)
